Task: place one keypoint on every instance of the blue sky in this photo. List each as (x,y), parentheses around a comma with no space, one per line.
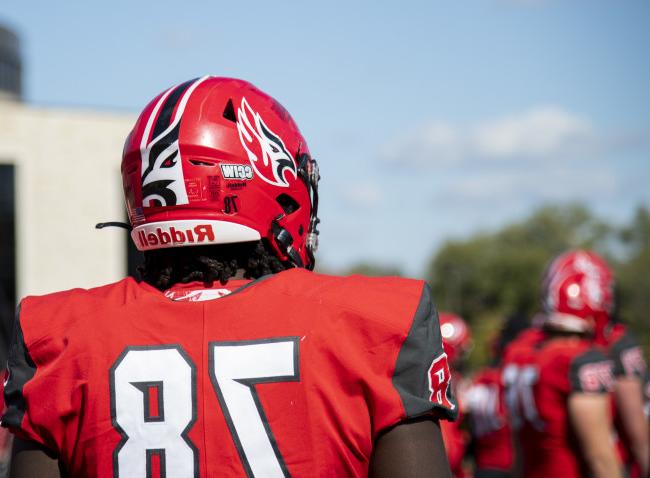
(430,119)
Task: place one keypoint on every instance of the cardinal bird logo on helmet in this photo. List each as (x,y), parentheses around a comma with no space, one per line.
(266,151)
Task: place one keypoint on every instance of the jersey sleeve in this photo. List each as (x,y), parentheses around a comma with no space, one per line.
(627,357)
(37,394)
(590,372)
(422,377)
(20,370)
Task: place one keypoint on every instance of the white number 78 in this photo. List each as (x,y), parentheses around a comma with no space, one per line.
(166,372)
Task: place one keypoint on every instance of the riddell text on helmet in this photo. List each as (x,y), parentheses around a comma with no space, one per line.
(199,234)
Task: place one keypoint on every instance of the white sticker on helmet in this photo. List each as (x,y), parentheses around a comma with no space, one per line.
(266,151)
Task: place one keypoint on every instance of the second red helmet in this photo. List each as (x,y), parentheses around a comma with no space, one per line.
(578,292)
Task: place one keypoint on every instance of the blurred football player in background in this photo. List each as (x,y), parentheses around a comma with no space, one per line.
(231,358)
(484,404)
(457,342)
(517,360)
(629,367)
(559,394)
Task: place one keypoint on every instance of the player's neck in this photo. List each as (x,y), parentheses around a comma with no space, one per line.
(240,274)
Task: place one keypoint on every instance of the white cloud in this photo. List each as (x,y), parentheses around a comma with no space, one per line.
(556,184)
(437,140)
(546,133)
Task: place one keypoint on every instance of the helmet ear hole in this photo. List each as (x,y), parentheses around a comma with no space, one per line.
(288,204)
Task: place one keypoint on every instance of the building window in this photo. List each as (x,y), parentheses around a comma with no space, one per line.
(7,254)
(134,258)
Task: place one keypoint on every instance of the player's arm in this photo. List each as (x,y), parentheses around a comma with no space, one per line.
(629,403)
(412,449)
(405,412)
(589,416)
(629,366)
(29,460)
(589,409)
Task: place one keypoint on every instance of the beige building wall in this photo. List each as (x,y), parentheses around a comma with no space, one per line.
(67,165)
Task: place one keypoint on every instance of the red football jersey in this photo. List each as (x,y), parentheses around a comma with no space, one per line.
(559,367)
(491,434)
(626,353)
(518,358)
(293,374)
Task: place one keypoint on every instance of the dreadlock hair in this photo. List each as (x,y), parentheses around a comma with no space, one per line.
(163,268)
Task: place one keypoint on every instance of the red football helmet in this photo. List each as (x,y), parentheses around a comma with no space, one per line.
(216,161)
(578,302)
(578,292)
(456,337)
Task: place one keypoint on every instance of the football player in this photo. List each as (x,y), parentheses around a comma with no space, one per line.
(457,342)
(518,357)
(485,406)
(231,358)
(629,367)
(558,391)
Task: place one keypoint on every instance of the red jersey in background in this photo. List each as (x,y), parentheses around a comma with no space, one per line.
(559,367)
(491,434)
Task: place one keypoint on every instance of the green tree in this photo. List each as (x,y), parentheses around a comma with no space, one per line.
(633,276)
(491,275)
(368,269)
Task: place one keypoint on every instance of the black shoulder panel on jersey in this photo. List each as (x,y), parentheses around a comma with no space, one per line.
(21,370)
(590,372)
(627,357)
(421,347)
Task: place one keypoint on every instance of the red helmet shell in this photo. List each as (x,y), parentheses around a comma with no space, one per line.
(578,302)
(456,337)
(577,260)
(216,161)
(578,292)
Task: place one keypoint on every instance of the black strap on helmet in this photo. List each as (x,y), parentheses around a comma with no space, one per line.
(285,241)
(123,225)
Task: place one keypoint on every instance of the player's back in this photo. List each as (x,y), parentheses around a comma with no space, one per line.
(518,374)
(562,366)
(294,374)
